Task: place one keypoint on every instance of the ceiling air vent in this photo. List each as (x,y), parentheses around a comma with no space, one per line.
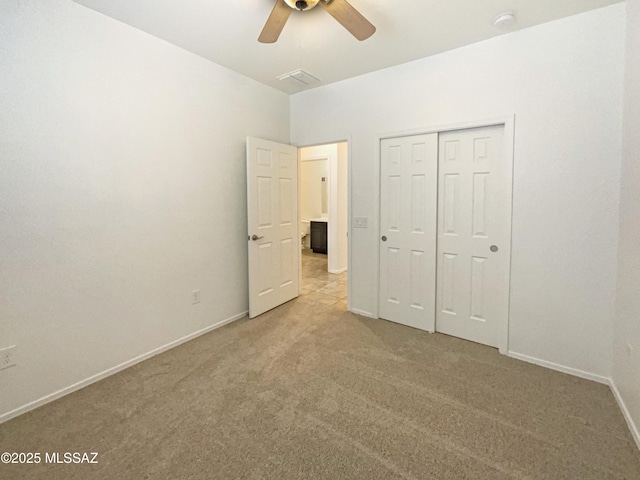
(299,78)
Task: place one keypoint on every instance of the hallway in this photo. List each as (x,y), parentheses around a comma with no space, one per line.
(320,286)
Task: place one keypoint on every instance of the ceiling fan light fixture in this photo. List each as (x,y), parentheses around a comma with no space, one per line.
(301,5)
(341,10)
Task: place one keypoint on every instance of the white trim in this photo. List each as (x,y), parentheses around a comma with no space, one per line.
(489,122)
(377,179)
(635,432)
(113,370)
(315,157)
(299,159)
(349,234)
(509,149)
(332,209)
(340,270)
(362,312)
(560,368)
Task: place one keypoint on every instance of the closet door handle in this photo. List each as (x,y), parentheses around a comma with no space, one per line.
(384,238)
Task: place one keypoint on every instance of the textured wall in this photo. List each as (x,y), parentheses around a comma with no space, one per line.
(122,189)
(626,370)
(563,81)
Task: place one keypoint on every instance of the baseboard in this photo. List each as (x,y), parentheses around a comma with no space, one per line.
(362,312)
(113,370)
(635,433)
(341,270)
(560,368)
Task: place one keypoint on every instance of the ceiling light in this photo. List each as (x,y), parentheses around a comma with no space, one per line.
(504,19)
(301,5)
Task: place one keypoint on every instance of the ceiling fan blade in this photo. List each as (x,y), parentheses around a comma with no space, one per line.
(275,22)
(349,18)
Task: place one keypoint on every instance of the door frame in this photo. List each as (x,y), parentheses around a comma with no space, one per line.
(508,122)
(348,141)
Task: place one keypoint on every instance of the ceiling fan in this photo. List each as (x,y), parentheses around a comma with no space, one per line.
(341,10)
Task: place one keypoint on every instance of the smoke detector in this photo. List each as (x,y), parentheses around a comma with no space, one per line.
(504,19)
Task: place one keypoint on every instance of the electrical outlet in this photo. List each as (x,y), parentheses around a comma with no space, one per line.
(7,357)
(195,297)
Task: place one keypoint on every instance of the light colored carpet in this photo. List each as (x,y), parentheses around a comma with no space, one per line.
(310,391)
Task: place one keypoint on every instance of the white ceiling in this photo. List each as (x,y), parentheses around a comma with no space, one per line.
(226,31)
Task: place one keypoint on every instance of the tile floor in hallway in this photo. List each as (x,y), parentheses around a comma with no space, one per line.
(320,286)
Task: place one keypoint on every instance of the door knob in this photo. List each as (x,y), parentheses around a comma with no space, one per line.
(255,237)
(493,248)
(384,238)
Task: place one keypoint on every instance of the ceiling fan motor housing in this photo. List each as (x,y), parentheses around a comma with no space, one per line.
(302,5)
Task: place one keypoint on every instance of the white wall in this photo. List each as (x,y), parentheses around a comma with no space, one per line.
(626,367)
(338,200)
(563,81)
(342,204)
(311,186)
(122,189)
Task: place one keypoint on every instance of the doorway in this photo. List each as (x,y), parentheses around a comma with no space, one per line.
(275,236)
(445,231)
(324,222)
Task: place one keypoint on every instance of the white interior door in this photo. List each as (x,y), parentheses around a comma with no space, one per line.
(474,235)
(408,232)
(273,225)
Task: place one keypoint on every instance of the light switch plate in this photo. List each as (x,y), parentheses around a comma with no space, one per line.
(360,222)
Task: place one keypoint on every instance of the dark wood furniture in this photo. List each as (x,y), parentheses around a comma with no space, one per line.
(319,237)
